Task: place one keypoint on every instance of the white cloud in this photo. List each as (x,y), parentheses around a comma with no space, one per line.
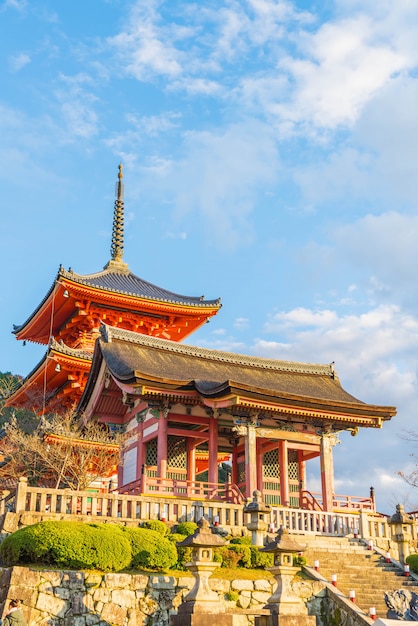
(219,178)
(146,45)
(19,61)
(241,323)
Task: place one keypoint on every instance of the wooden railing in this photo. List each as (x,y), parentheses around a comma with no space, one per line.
(182,488)
(44,503)
(314,502)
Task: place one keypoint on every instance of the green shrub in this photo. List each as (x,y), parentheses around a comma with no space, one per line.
(230,558)
(232,596)
(299,560)
(261,560)
(150,549)
(234,555)
(175,537)
(157,525)
(186,528)
(217,557)
(412,561)
(69,545)
(184,555)
(245,541)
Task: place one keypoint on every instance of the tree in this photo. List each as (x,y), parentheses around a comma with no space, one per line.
(411,478)
(28,419)
(60,452)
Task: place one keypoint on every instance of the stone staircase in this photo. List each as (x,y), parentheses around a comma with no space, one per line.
(359,569)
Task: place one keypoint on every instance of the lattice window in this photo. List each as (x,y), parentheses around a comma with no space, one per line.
(271,467)
(293,465)
(241,472)
(176,452)
(151,457)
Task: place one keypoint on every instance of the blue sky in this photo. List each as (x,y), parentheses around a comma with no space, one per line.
(270,153)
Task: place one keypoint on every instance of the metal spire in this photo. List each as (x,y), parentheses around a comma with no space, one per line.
(116,249)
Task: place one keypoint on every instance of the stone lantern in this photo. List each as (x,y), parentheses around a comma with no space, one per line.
(401,526)
(257,524)
(201,602)
(284,605)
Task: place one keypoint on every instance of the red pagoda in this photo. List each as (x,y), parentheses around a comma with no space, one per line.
(68,318)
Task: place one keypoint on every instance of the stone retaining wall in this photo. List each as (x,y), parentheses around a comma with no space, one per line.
(69,598)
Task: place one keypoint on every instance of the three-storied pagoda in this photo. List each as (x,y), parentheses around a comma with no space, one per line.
(68,318)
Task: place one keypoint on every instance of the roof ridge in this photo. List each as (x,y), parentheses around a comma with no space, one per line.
(118,269)
(60,346)
(110,333)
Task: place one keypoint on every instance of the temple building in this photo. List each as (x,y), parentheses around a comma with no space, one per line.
(114,349)
(68,318)
(177,401)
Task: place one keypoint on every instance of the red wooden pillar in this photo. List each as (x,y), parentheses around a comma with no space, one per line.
(284,473)
(191,460)
(259,452)
(327,472)
(162,447)
(250,460)
(234,462)
(140,453)
(213,450)
(302,474)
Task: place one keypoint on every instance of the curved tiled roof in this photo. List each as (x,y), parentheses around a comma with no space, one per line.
(142,361)
(125,282)
(132,357)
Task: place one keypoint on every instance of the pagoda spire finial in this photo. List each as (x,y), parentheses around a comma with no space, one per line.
(116,249)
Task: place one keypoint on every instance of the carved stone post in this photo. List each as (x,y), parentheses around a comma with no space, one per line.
(401,526)
(286,608)
(257,524)
(201,602)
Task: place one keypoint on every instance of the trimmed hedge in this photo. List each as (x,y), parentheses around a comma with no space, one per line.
(186,528)
(69,545)
(150,549)
(412,561)
(157,525)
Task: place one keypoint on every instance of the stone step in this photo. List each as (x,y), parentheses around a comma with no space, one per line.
(360,569)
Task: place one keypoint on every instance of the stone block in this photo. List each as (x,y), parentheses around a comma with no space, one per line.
(52,577)
(261,597)
(117,581)
(135,618)
(77,604)
(74,620)
(185,582)
(244,601)
(220,585)
(147,605)
(124,597)
(114,614)
(59,592)
(101,594)
(52,605)
(138,581)
(263,585)
(73,580)
(241,585)
(162,582)
(93,580)
(23,576)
